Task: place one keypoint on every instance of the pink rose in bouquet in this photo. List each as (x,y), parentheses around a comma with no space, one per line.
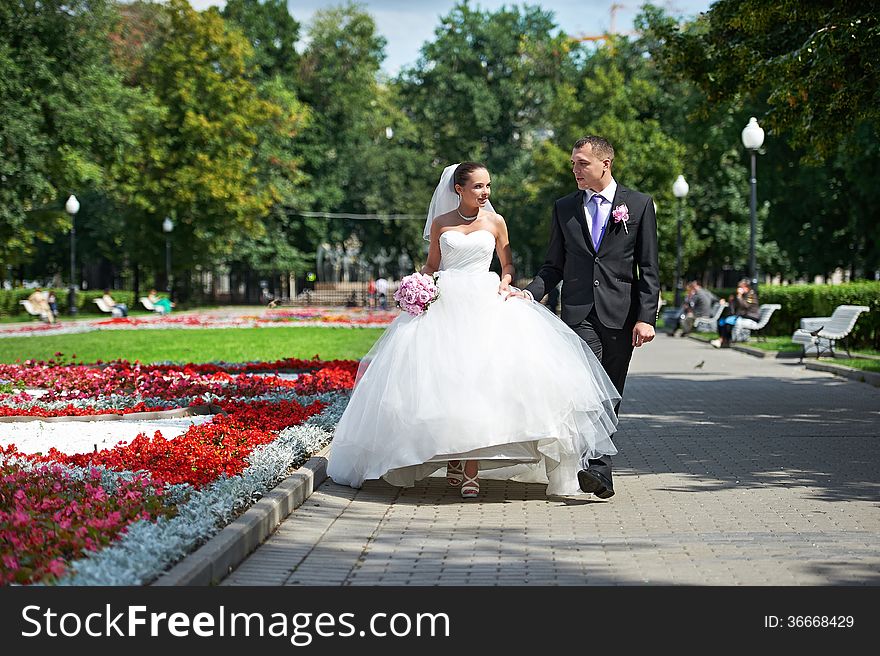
(416,292)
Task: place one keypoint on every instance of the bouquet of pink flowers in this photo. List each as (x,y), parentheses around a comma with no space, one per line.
(416,292)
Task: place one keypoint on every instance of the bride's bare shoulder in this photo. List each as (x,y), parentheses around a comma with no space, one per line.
(446,220)
(442,222)
(496,219)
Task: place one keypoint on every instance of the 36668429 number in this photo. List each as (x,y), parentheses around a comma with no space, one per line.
(809,621)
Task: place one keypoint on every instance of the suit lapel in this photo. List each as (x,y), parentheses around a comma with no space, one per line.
(578,215)
(612,228)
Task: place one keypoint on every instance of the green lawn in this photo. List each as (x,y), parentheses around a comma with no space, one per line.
(229,344)
(864,365)
(779,343)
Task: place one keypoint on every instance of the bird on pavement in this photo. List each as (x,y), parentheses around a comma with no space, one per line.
(700,364)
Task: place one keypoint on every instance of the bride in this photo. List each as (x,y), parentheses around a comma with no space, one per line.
(480,384)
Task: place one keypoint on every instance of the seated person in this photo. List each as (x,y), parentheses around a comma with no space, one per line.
(41,305)
(743,304)
(109,302)
(160,301)
(52,300)
(700,302)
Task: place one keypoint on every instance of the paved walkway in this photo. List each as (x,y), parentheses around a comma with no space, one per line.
(733,470)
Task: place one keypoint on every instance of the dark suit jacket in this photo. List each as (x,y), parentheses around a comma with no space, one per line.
(620,280)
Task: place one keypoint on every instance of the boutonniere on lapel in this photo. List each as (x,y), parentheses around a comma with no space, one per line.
(621,215)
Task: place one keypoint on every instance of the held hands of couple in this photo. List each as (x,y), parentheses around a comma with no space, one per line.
(642,333)
(509,291)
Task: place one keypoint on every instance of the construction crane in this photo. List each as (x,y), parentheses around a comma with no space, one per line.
(612,30)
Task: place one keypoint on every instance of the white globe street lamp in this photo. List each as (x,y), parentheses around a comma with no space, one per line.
(167,227)
(72,207)
(753,139)
(679,190)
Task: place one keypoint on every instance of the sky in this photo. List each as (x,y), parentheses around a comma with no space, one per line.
(407,24)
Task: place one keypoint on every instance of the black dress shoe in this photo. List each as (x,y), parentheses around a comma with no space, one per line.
(592,481)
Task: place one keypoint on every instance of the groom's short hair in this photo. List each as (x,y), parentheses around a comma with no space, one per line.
(600,146)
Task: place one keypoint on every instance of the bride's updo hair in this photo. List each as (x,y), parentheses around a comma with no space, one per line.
(463,172)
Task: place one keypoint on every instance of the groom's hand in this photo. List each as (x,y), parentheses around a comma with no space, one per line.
(506,290)
(642,333)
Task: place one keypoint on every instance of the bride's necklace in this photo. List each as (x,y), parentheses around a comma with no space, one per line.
(468,218)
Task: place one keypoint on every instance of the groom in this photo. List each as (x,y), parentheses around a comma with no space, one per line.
(603,247)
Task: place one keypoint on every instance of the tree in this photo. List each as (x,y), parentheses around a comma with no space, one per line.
(65,115)
(715,66)
(272,33)
(197,159)
(361,152)
(482,88)
(814,62)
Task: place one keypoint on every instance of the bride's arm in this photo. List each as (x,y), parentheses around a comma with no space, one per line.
(433,261)
(505,256)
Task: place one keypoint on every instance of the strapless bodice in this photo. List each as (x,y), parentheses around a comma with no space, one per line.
(470,252)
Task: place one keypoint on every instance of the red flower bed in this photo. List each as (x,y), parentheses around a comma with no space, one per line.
(48,518)
(205,451)
(338,375)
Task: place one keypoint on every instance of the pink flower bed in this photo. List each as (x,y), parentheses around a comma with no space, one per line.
(47,517)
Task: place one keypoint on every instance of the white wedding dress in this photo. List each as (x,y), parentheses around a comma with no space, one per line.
(478,377)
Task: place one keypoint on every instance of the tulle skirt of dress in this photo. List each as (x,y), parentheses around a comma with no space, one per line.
(476,377)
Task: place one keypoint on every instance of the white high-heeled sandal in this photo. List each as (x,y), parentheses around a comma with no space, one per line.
(454,473)
(470,487)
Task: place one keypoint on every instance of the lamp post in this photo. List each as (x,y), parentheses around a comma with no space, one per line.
(753,139)
(167,227)
(72,207)
(679,190)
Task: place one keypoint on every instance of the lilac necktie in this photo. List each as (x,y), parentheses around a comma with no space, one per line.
(596,216)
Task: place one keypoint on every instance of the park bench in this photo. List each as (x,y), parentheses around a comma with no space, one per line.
(744,327)
(150,306)
(709,324)
(31,310)
(823,333)
(114,311)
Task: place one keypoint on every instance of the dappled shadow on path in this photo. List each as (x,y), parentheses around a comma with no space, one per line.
(818,433)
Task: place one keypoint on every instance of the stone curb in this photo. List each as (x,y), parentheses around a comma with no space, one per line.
(859,375)
(869,377)
(175,413)
(761,353)
(211,562)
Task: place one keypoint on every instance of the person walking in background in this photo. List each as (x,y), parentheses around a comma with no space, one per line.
(371,293)
(382,292)
(744,303)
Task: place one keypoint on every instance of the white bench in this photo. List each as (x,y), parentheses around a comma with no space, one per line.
(709,324)
(150,306)
(31,310)
(744,326)
(114,311)
(822,333)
